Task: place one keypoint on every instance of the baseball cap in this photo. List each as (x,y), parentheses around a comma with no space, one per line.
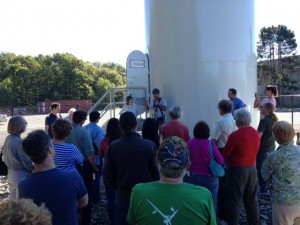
(155,91)
(173,149)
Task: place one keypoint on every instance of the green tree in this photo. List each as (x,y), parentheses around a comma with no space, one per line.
(72,80)
(48,78)
(25,80)
(5,60)
(277,48)
(114,66)
(22,72)
(6,92)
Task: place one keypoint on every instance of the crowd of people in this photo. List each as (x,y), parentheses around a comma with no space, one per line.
(162,176)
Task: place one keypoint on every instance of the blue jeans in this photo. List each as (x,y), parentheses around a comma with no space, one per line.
(211,183)
(86,172)
(260,158)
(111,203)
(96,187)
(14,177)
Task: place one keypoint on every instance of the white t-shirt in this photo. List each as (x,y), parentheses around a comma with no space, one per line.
(224,127)
(129,108)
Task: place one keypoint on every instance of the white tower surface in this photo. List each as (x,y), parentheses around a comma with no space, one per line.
(198,49)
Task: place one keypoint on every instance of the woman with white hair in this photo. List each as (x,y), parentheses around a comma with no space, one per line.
(174,127)
(70,115)
(240,151)
(282,169)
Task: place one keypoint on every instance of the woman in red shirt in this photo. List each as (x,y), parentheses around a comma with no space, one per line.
(240,151)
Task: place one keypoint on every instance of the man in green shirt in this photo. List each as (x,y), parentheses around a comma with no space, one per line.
(170,201)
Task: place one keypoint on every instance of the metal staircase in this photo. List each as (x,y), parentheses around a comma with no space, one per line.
(107,102)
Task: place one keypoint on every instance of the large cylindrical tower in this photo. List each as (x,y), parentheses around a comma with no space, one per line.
(198,49)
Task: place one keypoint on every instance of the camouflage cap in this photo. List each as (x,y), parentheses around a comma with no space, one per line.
(173,149)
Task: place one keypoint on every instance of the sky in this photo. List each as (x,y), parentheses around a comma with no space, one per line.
(100,30)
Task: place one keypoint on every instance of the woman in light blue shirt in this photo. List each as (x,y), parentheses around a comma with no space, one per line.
(18,164)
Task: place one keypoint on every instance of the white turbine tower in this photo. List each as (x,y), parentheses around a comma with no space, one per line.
(198,49)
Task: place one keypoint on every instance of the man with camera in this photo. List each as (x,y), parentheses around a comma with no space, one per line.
(158,108)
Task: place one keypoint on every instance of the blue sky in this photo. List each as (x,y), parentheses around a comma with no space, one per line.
(99,30)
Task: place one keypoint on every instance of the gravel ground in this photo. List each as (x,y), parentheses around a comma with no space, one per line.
(3,188)
(99,213)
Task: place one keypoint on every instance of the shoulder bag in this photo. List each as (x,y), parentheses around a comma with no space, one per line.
(215,168)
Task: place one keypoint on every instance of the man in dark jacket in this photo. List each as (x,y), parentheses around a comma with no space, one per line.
(130,160)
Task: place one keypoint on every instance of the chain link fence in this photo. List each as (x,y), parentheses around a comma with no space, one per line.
(288,108)
(34,110)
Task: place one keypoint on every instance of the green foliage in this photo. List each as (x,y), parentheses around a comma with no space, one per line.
(277,47)
(265,74)
(279,39)
(6,92)
(25,80)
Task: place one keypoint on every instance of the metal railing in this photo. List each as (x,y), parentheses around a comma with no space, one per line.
(288,108)
(289,103)
(112,98)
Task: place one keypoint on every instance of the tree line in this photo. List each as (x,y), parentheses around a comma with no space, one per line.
(25,80)
(276,52)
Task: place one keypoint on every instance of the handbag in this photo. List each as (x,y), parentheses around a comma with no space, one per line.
(3,167)
(215,168)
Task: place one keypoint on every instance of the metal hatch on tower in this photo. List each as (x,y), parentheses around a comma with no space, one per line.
(137,68)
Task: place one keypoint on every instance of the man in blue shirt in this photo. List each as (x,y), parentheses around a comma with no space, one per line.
(97,136)
(82,140)
(61,191)
(237,103)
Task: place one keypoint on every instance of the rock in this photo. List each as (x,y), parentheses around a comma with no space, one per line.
(264,217)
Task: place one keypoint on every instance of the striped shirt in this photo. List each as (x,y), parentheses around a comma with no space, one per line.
(67,156)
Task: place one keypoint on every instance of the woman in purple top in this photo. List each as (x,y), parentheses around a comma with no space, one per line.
(200,157)
(271,93)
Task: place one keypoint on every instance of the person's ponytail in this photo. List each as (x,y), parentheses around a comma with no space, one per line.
(274,117)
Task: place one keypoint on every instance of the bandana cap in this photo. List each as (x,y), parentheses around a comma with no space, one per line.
(173,153)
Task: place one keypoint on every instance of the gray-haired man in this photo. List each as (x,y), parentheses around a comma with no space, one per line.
(174,127)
